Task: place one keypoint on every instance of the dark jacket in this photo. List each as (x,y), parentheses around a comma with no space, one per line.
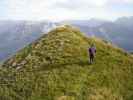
(92,51)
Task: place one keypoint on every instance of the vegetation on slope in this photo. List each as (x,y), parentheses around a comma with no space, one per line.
(56,67)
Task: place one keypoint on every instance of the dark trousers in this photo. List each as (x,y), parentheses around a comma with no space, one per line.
(91,59)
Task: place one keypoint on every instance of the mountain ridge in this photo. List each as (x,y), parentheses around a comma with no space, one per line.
(22,33)
(57,68)
(14,35)
(118,32)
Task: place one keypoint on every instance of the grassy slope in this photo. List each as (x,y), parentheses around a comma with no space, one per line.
(56,67)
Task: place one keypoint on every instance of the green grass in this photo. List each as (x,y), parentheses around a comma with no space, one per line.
(56,67)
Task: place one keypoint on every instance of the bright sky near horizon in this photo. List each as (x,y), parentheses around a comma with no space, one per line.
(64,9)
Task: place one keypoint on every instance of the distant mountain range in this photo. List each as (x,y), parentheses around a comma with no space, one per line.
(119,32)
(14,35)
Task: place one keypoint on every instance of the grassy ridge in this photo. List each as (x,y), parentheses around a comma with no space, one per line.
(56,67)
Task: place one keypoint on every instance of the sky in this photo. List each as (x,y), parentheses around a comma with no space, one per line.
(58,10)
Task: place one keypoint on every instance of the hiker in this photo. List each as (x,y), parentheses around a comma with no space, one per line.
(92,52)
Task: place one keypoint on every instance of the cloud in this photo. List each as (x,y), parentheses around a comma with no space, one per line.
(76,4)
(120,1)
(62,9)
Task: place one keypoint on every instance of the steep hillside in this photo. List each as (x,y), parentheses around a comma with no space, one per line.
(118,32)
(14,35)
(56,67)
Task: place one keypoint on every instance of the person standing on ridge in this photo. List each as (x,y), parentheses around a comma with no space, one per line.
(92,52)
